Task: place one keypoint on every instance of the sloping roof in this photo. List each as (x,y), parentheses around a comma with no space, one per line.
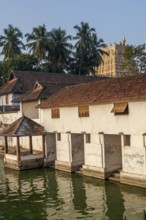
(27,80)
(41,90)
(105,91)
(23,127)
(12,86)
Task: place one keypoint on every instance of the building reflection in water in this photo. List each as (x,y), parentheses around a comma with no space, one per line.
(72,193)
(95,198)
(134,201)
(114,201)
(43,194)
(22,196)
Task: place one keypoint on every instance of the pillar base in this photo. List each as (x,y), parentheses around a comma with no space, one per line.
(67,166)
(49,163)
(96,172)
(133,179)
(93,172)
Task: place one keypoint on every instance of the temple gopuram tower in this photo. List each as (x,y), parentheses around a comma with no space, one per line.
(112,64)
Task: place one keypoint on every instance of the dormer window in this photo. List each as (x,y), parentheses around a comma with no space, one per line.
(120,108)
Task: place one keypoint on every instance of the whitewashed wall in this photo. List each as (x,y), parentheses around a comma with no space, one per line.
(63,152)
(29,110)
(8,118)
(102,120)
(93,152)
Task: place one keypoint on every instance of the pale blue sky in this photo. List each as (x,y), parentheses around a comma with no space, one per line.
(112,19)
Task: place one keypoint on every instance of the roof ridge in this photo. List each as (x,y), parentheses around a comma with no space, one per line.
(21,119)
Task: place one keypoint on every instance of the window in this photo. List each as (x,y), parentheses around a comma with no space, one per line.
(58,136)
(55,113)
(83,111)
(120,108)
(127,140)
(88,138)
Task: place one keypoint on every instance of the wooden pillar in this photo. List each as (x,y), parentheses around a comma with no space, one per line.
(18,149)
(6,145)
(30,145)
(43,144)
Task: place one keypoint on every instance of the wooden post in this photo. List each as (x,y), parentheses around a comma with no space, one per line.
(30,145)
(18,149)
(6,145)
(43,144)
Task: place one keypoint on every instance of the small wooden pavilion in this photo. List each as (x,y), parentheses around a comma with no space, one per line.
(21,159)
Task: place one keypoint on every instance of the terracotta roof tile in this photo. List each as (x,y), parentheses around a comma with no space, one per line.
(27,80)
(12,86)
(44,91)
(112,90)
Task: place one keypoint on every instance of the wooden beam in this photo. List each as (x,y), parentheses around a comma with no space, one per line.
(30,145)
(18,149)
(6,145)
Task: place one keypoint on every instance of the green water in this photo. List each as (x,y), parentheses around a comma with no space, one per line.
(43,194)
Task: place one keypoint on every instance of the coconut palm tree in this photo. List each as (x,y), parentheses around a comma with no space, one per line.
(83,37)
(59,50)
(10,42)
(97,51)
(88,49)
(37,42)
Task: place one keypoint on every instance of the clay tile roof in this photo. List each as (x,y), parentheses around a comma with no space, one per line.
(104,91)
(23,127)
(12,86)
(27,80)
(41,90)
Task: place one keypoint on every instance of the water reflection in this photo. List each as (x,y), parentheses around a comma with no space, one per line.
(114,201)
(43,194)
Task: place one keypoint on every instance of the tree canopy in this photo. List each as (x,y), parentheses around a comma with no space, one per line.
(59,50)
(88,50)
(56,51)
(134,59)
(37,42)
(10,42)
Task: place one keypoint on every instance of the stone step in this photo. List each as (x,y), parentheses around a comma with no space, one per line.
(117,175)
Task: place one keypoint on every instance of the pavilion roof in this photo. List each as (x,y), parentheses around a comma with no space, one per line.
(23,126)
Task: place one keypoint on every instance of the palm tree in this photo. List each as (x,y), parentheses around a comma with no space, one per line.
(88,49)
(10,42)
(83,36)
(38,41)
(59,50)
(97,51)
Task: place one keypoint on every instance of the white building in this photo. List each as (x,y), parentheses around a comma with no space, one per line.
(99,126)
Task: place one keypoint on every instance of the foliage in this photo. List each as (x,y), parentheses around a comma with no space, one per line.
(88,50)
(53,50)
(22,62)
(38,42)
(10,42)
(4,74)
(59,50)
(134,59)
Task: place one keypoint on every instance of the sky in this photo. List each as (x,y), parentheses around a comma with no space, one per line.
(112,19)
